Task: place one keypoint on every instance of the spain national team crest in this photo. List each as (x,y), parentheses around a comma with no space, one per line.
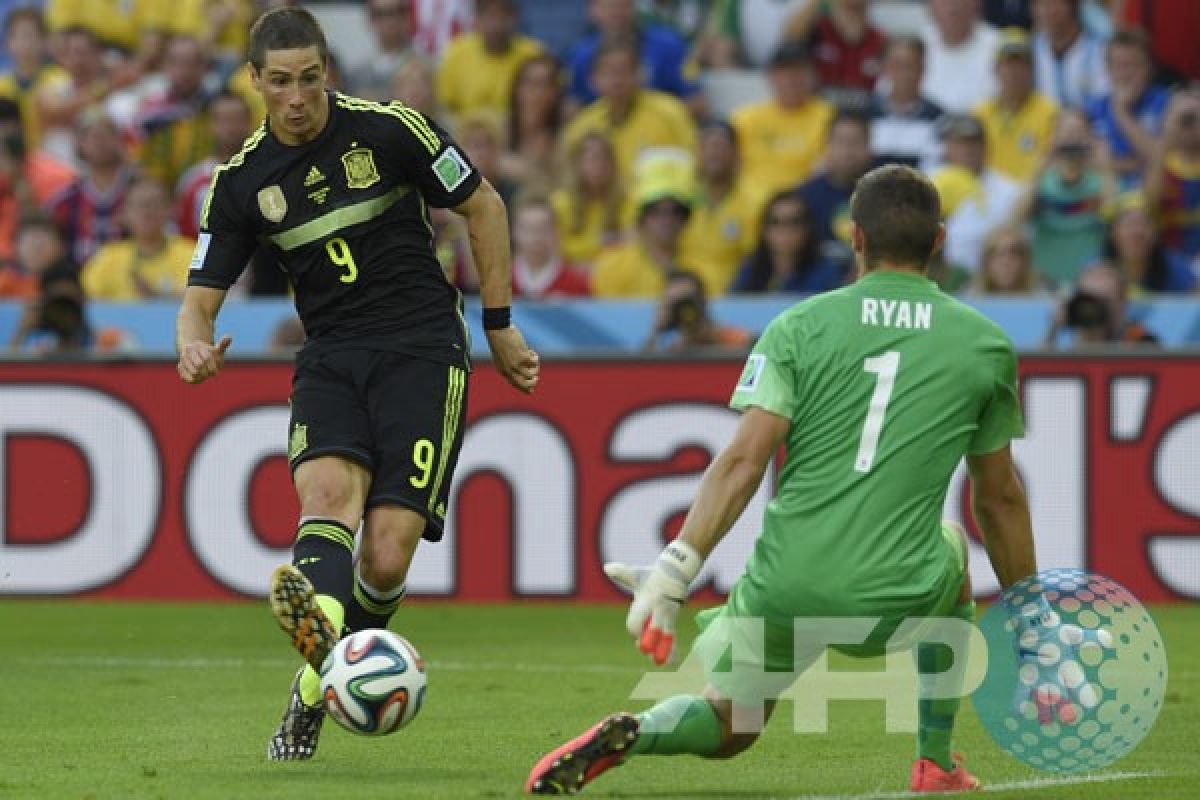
(272,203)
(360,168)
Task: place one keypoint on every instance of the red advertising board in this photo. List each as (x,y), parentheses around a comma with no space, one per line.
(117,480)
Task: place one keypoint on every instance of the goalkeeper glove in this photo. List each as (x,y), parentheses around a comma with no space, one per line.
(658,592)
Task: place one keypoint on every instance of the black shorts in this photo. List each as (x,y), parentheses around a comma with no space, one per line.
(399,416)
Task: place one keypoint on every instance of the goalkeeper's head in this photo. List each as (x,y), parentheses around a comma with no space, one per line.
(896,216)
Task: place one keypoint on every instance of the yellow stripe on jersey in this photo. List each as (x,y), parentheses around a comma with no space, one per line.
(411,118)
(239,157)
(326,224)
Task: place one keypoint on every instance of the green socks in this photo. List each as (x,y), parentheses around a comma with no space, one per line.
(679,724)
(935,716)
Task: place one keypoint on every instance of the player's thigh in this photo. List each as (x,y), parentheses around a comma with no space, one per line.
(329,437)
(748,663)
(329,415)
(416,408)
(391,534)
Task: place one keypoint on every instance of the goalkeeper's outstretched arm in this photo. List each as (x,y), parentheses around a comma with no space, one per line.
(1002,511)
(732,478)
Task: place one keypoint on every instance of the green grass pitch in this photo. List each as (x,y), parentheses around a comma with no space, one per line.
(114,700)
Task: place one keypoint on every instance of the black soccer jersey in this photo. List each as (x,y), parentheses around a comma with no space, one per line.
(346,217)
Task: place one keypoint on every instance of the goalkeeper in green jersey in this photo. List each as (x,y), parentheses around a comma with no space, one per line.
(877,390)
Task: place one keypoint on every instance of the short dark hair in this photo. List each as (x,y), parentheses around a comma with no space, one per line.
(898,211)
(285,29)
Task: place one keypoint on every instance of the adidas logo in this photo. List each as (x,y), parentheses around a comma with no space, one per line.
(314,176)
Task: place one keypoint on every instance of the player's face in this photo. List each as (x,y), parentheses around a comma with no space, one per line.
(292,82)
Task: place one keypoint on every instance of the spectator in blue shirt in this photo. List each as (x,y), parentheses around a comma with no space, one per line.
(1130,117)
(847,158)
(663,52)
(788,255)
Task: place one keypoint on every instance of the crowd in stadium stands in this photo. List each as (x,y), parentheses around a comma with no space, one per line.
(1063,135)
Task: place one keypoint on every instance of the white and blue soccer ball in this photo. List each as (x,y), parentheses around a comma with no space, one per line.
(1116,679)
(373,683)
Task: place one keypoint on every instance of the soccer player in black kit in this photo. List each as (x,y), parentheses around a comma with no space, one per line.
(338,190)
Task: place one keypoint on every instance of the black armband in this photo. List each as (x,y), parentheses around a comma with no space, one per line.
(495,319)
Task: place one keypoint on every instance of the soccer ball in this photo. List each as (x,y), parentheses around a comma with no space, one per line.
(373,682)
(1119,679)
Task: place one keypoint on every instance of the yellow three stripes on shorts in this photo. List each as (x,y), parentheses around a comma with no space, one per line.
(455,389)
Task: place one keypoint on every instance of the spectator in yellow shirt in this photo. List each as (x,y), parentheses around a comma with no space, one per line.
(723,228)
(221,26)
(590,208)
(478,68)
(25,39)
(1018,120)
(634,118)
(664,193)
(781,138)
(130,30)
(151,262)
(116,23)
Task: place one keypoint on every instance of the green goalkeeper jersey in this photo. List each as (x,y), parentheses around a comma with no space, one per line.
(887,384)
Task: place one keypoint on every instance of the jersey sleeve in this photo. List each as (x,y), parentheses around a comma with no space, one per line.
(431,159)
(225,242)
(769,378)
(1001,420)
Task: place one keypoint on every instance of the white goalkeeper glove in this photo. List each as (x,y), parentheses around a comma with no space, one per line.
(1049,671)
(658,592)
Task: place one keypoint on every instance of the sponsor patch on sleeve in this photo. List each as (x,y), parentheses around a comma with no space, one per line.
(451,169)
(201,251)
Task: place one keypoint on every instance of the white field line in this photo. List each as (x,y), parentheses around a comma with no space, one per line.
(130,662)
(1010,786)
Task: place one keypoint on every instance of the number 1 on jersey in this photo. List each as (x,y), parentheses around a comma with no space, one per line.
(884,368)
(339,253)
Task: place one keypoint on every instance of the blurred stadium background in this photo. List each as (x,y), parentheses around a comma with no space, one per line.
(1064,136)
(1072,194)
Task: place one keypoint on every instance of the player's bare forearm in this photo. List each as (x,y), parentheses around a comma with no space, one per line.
(487,228)
(199,358)
(732,478)
(728,484)
(1002,511)
(197,315)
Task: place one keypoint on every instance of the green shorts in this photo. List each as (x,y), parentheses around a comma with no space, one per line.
(748,658)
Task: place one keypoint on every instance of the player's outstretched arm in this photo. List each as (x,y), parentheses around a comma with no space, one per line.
(1002,511)
(199,358)
(728,484)
(487,227)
